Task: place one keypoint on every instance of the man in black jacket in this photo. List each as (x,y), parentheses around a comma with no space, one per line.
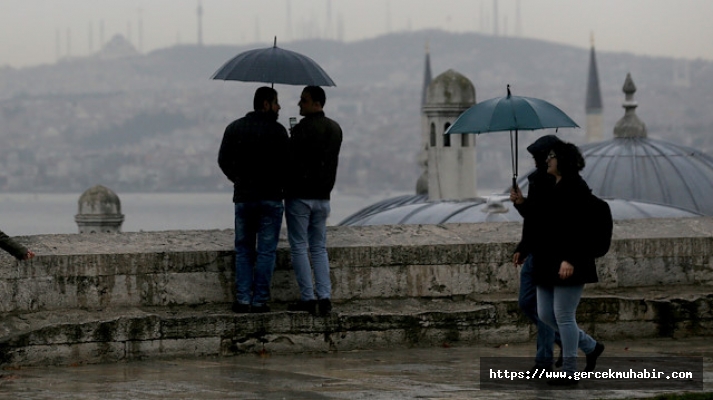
(314,153)
(252,156)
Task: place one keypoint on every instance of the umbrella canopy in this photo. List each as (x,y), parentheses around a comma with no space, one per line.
(274,65)
(511,113)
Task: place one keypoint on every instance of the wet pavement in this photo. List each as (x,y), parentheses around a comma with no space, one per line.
(433,373)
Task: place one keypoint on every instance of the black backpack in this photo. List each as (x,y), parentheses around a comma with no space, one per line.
(601,227)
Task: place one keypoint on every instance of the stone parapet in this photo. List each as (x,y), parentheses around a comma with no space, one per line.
(107,297)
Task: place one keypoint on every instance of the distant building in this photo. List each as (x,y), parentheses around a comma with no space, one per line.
(99,211)
(117,47)
(451,158)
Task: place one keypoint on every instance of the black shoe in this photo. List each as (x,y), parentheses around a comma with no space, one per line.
(560,360)
(260,309)
(325,307)
(592,357)
(309,306)
(241,308)
(562,381)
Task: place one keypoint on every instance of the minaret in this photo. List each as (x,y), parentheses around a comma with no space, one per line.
(141,31)
(427,77)
(518,20)
(495,18)
(199,14)
(58,44)
(593,103)
(450,165)
(288,25)
(422,159)
(90,38)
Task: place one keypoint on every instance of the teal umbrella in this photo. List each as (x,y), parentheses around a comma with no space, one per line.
(513,114)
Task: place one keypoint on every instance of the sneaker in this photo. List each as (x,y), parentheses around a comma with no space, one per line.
(325,307)
(309,306)
(241,308)
(592,357)
(260,309)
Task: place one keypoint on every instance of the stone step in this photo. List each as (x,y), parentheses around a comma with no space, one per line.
(130,333)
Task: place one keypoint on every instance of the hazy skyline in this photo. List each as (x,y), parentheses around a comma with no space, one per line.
(41,31)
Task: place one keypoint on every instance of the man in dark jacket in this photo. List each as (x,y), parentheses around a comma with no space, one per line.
(314,153)
(252,156)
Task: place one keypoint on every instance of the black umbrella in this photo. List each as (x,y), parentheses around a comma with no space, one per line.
(274,65)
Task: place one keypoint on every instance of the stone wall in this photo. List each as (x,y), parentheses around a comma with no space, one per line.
(108,297)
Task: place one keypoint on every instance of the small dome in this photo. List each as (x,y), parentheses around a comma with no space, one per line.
(452,89)
(99,200)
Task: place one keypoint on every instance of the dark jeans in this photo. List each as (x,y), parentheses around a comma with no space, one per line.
(527,300)
(257,230)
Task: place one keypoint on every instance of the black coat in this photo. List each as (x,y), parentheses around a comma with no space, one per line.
(313,158)
(253,156)
(562,234)
(540,184)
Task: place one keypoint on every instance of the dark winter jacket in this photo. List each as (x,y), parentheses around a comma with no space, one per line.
(253,156)
(313,157)
(562,234)
(539,185)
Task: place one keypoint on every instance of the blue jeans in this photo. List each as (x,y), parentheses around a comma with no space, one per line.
(557,307)
(257,231)
(307,231)
(527,301)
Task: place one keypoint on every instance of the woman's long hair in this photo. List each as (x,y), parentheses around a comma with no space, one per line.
(569,158)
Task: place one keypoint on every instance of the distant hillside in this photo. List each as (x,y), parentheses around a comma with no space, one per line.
(159,117)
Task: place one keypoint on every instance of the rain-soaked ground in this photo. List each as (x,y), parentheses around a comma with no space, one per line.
(433,373)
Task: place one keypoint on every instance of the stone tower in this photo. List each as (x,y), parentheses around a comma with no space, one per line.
(450,167)
(99,211)
(593,104)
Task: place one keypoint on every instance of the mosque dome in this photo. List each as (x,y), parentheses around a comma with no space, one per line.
(631,166)
(450,89)
(99,211)
(415,209)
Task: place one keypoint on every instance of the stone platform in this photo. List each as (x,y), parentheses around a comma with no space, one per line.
(149,295)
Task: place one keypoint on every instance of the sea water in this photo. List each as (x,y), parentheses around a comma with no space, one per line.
(50,213)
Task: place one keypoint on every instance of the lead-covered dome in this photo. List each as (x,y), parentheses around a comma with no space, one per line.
(99,211)
(450,89)
(418,210)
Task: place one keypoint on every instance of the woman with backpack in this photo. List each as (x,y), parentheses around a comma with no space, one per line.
(563,259)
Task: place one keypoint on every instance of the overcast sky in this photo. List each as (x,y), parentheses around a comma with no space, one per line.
(40,31)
